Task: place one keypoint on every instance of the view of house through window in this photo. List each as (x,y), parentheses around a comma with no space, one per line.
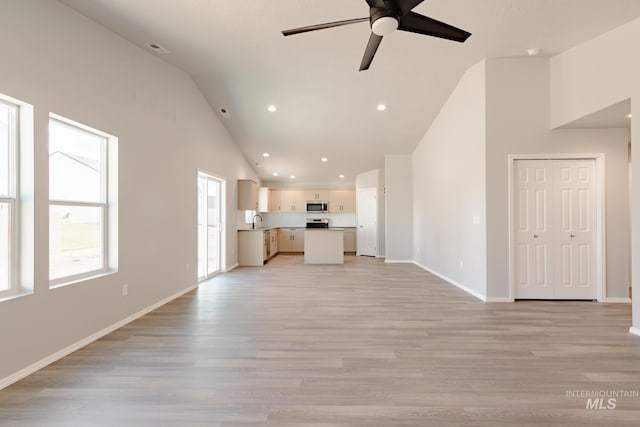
(8,144)
(210,235)
(78,201)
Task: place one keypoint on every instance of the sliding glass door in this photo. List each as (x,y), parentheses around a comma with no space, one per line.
(210,225)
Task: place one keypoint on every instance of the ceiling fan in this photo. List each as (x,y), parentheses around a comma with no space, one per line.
(386,16)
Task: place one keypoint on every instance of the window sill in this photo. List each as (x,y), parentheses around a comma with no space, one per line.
(16,295)
(78,280)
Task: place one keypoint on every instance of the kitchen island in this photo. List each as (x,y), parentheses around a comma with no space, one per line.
(324,246)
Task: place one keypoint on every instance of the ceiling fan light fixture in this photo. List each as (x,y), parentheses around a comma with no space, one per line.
(384,26)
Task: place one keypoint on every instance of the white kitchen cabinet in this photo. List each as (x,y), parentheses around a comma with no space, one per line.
(293,201)
(290,240)
(264,199)
(274,200)
(317,195)
(247,195)
(350,240)
(298,240)
(273,242)
(251,248)
(342,201)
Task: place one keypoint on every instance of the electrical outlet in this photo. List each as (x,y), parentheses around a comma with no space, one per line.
(187,268)
(125,290)
(461,265)
(476,219)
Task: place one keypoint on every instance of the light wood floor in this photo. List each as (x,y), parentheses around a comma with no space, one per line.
(364,344)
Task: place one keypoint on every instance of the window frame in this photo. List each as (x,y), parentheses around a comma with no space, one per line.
(103,205)
(12,200)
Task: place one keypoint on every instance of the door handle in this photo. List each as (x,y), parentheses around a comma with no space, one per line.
(535,236)
(572,236)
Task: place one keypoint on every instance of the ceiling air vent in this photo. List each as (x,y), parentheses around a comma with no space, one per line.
(157,48)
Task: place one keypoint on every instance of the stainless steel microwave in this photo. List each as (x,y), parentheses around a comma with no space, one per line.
(317,206)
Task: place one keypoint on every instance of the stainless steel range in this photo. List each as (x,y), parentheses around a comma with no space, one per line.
(317,223)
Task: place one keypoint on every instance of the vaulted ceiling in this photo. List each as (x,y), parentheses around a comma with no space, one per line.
(236,54)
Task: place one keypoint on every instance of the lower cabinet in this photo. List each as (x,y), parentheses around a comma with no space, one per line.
(273,243)
(291,240)
(350,240)
(251,248)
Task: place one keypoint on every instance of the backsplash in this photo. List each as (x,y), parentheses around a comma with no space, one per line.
(280,219)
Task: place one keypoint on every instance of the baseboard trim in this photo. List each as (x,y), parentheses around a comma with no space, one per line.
(634,331)
(5,382)
(380,256)
(617,300)
(398,261)
(498,299)
(453,282)
(233,267)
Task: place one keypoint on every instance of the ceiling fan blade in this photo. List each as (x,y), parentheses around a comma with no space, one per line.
(370,52)
(416,23)
(323,26)
(407,6)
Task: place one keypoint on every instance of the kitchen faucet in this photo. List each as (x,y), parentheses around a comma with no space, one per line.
(253,221)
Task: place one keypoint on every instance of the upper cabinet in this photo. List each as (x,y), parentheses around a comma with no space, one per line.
(247,195)
(342,201)
(293,201)
(317,195)
(264,199)
(268,200)
(275,198)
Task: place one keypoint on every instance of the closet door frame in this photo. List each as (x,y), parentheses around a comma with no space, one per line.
(601,267)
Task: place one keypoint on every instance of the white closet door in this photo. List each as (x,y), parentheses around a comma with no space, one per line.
(554,218)
(534,247)
(575,207)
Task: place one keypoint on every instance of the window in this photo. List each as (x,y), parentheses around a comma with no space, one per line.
(8,199)
(79,215)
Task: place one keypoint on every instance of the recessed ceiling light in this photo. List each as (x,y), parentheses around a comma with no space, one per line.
(292,177)
(535,51)
(324,159)
(382,107)
(275,174)
(272,108)
(629,116)
(341,176)
(265,154)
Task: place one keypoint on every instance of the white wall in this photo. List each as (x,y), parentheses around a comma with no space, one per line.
(593,76)
(449,188)
(375,179)
(518,123)
(399,208)
(61,62)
